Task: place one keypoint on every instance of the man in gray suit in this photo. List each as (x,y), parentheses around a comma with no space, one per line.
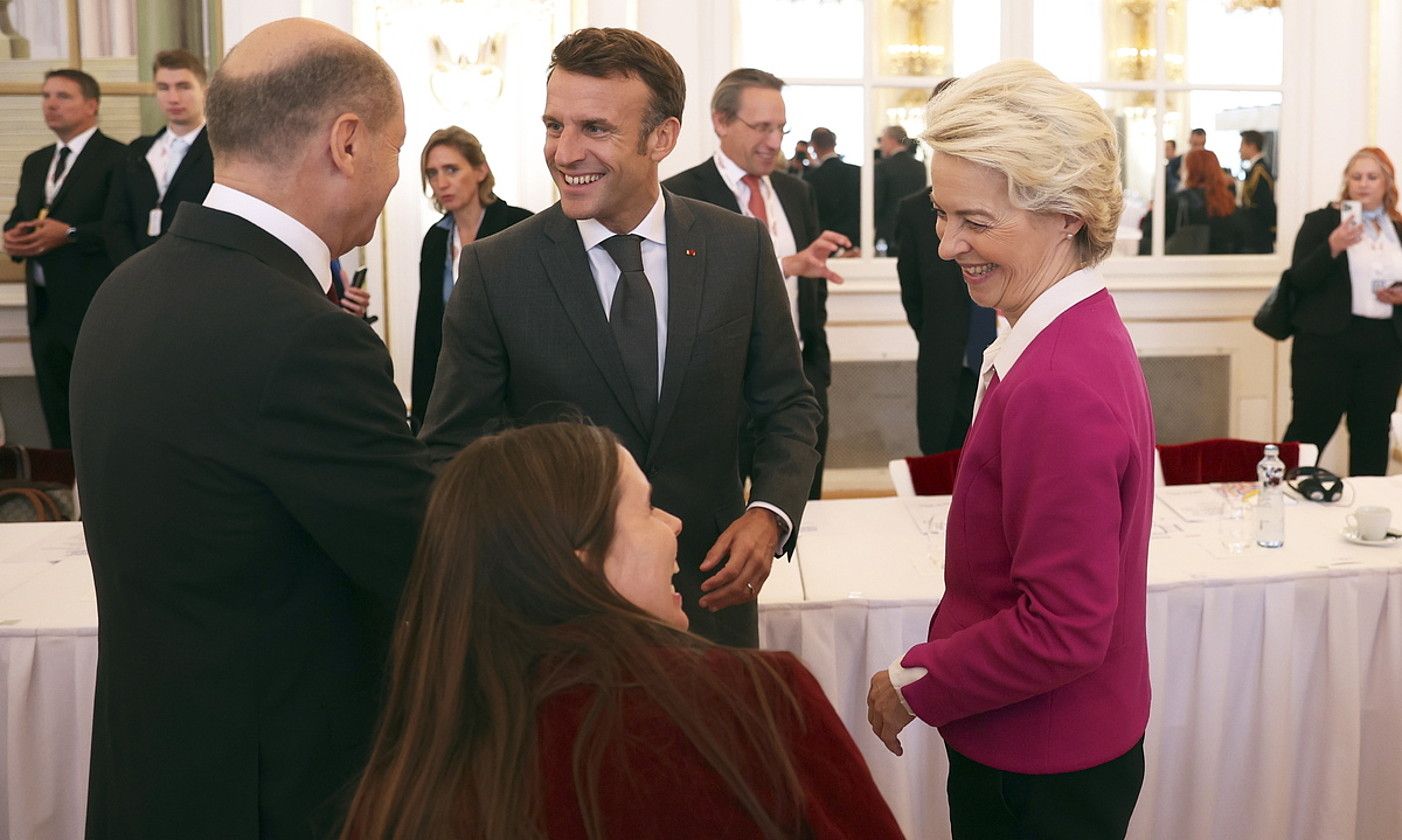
(654,315)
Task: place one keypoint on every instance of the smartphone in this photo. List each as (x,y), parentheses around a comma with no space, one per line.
(358,279)
(1351,211)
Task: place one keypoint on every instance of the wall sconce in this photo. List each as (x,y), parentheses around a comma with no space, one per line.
(464,75)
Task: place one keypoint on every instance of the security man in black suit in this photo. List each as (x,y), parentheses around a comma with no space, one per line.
(897,175)
(836,185)
(56,228)
(747,113)
(163,169)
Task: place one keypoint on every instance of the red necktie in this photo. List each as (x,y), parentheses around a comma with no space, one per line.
(756,203)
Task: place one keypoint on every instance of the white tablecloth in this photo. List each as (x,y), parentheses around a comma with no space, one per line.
(1277,674)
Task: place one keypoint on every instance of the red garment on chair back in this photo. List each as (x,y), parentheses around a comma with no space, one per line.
(1221,459)
(933,475)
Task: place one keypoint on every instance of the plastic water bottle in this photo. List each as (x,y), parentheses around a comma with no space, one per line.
(882,248)
(1270,505)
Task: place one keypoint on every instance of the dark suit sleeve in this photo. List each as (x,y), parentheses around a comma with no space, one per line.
(469,390)
(337,452)
(817,357)
(781,401)
(908,267)
(1311,264)
(89,238)
(116,218)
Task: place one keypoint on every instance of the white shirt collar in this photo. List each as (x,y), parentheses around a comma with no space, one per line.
(76,144)
(1075,287)
(653,227)
(286,229)
(731,173)
(188,137)
(1252,161)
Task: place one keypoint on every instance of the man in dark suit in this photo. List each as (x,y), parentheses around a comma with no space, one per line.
(1256,216)
(952,330)
(747,113)
(897,175)
(56,228)
(162,170)
(837,185)
(251,491)
(660,317)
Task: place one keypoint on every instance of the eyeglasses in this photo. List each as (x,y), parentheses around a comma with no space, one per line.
(766,128)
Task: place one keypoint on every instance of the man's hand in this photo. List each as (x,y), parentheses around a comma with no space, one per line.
(1391,295)
(885,713)
(813,260)
(30,239)
(356,301)
(747,547)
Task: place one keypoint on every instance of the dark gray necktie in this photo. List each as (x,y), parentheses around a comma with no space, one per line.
(633,318)
(62,165)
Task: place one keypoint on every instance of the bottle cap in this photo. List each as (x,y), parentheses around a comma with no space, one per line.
(1272,449)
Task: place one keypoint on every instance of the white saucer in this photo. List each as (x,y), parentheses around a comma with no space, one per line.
(1351,535)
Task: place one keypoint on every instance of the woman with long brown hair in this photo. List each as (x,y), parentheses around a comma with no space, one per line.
(543,684)
(1204,200)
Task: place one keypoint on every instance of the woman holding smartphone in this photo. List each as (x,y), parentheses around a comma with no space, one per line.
(1346,273)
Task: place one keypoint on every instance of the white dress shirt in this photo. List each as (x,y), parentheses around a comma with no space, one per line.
(283,227)
(76,145)
(1000,356)
(780,232)
(1374,262)
(653,230)
(165,155)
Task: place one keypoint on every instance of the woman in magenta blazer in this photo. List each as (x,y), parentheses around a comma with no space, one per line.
(1036,669)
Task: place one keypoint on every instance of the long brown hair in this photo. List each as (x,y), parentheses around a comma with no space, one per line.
(507,605)
(1389,204)
(1202,171)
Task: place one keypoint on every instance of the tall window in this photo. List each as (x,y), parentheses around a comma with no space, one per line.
(1160,68)
(114,40)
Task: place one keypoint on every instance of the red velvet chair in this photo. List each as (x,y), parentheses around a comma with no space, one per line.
(925,475)
(1224,459)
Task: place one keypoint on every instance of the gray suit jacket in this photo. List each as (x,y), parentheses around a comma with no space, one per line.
(526,339)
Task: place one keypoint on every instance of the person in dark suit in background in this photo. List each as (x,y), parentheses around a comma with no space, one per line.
(163,169)
(747,113)
(660,317)
(251,491)
(837,186)
(1257,213)
(898,174)
(454,169)
(1172,167)
(56,228)
(952,331)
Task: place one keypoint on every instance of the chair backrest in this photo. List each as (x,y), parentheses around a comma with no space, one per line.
(929,475)
(900,477)
(1222,459)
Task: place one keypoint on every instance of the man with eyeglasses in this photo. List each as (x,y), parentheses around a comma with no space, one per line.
(745,175)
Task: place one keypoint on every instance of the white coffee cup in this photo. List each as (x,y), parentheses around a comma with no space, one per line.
(1370,522)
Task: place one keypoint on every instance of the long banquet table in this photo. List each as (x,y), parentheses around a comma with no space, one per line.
(1277,674)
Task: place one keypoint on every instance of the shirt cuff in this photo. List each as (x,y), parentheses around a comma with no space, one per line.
(783,517)
(902,676)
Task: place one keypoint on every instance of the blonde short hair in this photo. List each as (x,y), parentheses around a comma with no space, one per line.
(1053,143)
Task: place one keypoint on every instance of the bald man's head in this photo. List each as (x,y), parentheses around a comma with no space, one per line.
(286,82)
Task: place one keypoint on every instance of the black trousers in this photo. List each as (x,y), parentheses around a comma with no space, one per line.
(1356,372)
(1092,804)
(51,346)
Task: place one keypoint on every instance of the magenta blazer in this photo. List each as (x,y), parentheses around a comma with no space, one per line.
(1037,656)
